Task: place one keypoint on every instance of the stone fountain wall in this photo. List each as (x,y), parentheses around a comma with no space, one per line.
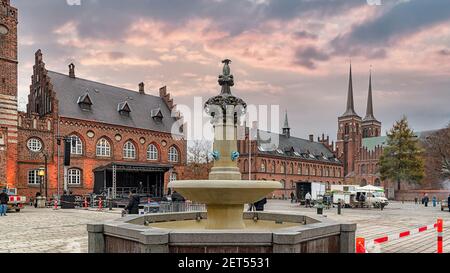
(130,235)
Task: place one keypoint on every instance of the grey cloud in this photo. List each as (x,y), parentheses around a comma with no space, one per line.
(396,22)
(307,56)
(305,35)
(444,52)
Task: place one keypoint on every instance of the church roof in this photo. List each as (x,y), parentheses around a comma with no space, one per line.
(372,142)
(106,99)
(294,147)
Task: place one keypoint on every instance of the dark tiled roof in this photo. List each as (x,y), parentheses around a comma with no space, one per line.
(105,101)
(295,147)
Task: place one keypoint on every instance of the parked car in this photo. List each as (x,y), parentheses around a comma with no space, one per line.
(444,205)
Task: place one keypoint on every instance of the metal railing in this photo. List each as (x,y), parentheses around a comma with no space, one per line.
(167,207)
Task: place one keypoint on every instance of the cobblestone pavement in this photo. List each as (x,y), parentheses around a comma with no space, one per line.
(395,218)
(49,231)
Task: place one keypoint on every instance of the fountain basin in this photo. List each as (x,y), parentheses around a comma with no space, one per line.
(225,199)
(182,233)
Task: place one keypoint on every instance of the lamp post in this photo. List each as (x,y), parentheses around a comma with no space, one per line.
(43,174)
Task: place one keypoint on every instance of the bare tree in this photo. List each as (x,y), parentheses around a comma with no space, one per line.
(199,158)
(199,151)
(438,154)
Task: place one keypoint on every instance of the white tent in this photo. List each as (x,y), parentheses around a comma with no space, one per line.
(371,188)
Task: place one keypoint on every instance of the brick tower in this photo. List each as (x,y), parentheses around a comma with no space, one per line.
(8,94)
(371,127)
(349,135)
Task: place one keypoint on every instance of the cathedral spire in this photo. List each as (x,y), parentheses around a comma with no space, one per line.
(350,111)
(286,128)
(369,112)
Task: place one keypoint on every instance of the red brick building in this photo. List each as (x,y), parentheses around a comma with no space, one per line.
(293,160)
(114,131)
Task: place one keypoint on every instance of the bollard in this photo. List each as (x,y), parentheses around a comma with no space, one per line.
(339,208)
(100,204)
(440,224)
(360,245)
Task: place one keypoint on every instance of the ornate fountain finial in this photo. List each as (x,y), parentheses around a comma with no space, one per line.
(221,102)
(226,67)
(226,80)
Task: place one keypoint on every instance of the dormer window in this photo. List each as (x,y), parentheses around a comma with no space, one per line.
(124,108)
(157,114)
(85,102)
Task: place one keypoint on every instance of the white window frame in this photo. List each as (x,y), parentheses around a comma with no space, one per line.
(103,148)
(74,176)
(173,177)
(173,154)
(33,177)
(76,149)
(129,150)
(152,152)
(35,144)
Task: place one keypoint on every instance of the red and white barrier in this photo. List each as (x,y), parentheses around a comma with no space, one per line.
(100,204)
(362,245)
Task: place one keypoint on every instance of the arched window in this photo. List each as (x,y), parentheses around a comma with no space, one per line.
(263,166)
(173,177)
(33,177)
(274,167)
(129,150)
(363,169)
(173,154)
(346,129)
(152,152)
(76,146)
(377,182)
(283,168)
(291,170)
(103,148)
(74,177)
(299,169)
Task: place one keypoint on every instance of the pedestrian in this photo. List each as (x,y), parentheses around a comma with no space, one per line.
(423,198)
(251,207)
(362,199)
(426,199)
(38,194)
(416,200)
(4,199)
(308,198)
(434,200)
(133,204)
(292,197)
(259,206)
(448,202)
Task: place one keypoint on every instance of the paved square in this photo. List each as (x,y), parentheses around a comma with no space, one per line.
(64,231)
(395,218)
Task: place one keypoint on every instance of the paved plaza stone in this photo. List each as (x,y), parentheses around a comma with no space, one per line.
(64,231)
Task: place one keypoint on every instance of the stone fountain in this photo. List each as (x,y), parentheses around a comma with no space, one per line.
(225,193)
(224,227)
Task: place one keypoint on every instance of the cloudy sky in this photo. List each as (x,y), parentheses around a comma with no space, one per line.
(294,53)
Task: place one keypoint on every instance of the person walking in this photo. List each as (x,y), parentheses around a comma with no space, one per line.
(416,200)
(133,204)
(448,202)
(308,198)
(292,197)
(426,199)
(434,200)
(4,199)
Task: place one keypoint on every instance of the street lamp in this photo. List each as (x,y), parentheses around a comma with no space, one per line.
(41,174)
